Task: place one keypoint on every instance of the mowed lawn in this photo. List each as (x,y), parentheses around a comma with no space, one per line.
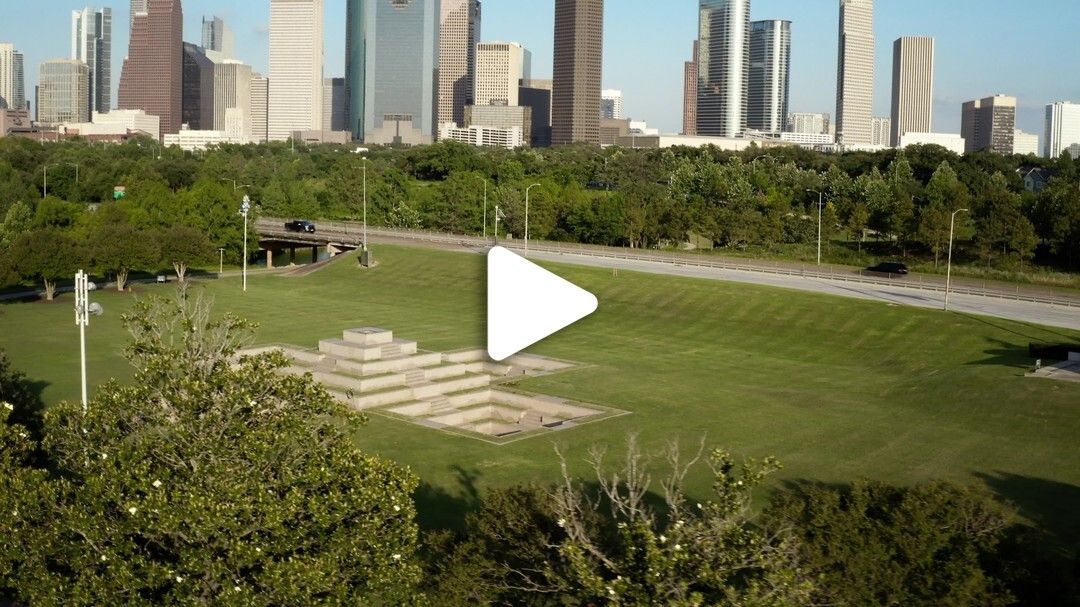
(837,388)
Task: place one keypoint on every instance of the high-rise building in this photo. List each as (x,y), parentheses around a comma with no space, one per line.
(197,99)
(12,78)
(62,91)
(769,84)
(232,93)
(690,93)
(578,71)
(611,104)
(296,67)
(912,87)
(880,131)
(91,43)
(459,32)
(1025,144)
(335,105)
(855,73)
(989,123)
(152,75)
(501,117)
(260,100)
(138,7)
(809,123)
(216,36)
(500,68)
(536,95)
(723,64)
(392,70)
(1062,127)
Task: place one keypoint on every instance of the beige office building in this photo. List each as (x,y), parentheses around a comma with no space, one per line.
(501,117)
(989,124)
(578,71)
(459,32)
(855,73)
(500,67)
(1062,128)
(296,67)
(12,81)
(232,91)
(260,99)
(912,87)
(63,92)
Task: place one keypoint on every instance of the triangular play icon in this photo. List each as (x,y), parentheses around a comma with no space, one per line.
(526,303)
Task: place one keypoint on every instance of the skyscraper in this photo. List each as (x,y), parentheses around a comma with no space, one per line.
(723,67)
(690,93)
(500,68)
(578,71)
(12,78)
(152,76)
(91,43)
(1062,128)
(62,91)
(197,99)
(989,123)
(770,75)
(855,73)
(536,95)
(392,65)
(809,123)
(296,67)
(912,87)
(459,32)
(216,36)
(611,104)
(335,105)
(880,131)
(260,99)
(232,93)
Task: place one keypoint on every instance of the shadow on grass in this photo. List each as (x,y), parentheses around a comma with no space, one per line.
(1005,355)
(437,508)
(1029,327)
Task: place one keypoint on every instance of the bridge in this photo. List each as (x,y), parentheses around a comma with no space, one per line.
(334,237)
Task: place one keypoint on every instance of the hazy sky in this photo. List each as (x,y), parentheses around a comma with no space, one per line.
(1027,49)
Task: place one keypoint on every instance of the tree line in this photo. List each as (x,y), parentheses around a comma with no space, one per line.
(896,204)
(215,479)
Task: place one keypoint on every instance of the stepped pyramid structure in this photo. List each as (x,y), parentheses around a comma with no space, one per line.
(370,370)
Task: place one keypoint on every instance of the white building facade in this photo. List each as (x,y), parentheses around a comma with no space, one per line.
(296,67)
(611,104)
(500,67)
(482,136)
(1025,143)
(1062,128)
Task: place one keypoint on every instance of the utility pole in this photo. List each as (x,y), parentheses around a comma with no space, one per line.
(948,271)
(244,209)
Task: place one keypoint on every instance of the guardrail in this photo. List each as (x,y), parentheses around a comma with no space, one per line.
(354,230)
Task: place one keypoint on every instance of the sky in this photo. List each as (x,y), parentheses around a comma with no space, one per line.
(984,47)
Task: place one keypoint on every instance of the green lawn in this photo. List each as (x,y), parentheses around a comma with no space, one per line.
(836,388)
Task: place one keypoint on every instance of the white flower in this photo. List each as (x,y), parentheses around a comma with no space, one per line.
(9,406)
(699,506)
(397,508)
(611,591)
(157,484)
(179,580)
(663,539)
(104,456)
(396,557)
(236,589)
(14,513)
(103,558)
(562,522)
(678,547)
(22,435)
(258,549)
(132,510)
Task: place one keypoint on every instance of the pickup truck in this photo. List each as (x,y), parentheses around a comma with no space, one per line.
(300,226)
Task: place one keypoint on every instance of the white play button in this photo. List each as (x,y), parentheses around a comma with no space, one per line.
(526,303)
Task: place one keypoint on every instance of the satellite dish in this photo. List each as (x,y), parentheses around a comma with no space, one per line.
(95,309)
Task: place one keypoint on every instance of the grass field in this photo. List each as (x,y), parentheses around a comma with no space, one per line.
(836,388)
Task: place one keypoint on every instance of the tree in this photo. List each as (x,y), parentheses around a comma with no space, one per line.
(214,479)
(858,220)
(1024,240)
(47,255)
(875,544)
(934,222)
(121,248)
(17,220)
(182,246)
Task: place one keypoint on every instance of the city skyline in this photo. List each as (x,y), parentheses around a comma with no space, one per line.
(651,75)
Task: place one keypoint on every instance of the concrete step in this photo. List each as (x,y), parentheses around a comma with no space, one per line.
(415,376)
(340,348)
(394,365)
(368,336)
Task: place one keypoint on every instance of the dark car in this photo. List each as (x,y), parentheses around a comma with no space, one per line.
(890,267)
(300,226)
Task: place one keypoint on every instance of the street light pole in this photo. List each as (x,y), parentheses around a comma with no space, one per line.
(496,225)
(948,271)
(221,262)
(244,208)
(527,217)
(365,203)
(819,205)
(82,319)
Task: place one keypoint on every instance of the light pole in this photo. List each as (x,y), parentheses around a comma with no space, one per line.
(221,262)
(244,209)
(83,310)
(365,253)
(527,217)
(234,186)
(498,216)
(948,271)
(485,203)
(819,204)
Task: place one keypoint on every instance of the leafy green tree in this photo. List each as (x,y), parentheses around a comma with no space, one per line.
(875,544)
(857,221)
(18,219)
(47,255)
(52,212)
(1023,241)
(209,479)
(121,248)
(183,246)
